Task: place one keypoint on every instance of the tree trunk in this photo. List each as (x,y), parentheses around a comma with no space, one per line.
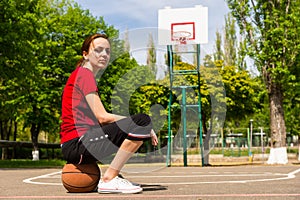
(35,129)
(1,130)
(298,148)
(5,132)
(15,130)
(278,153)
(206,147)
(15,138)
(2,137)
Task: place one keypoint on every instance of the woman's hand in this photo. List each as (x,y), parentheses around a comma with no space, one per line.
(154,138)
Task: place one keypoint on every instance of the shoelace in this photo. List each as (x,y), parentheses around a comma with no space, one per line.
(124,181)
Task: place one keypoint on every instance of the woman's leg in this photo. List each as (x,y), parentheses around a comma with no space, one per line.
(123,137)
(126,150)
(137,129)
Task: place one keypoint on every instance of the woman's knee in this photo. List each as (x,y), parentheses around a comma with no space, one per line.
(142,119)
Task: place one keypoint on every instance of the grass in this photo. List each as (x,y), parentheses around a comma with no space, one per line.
(25,163)
(239,151)
(56,163)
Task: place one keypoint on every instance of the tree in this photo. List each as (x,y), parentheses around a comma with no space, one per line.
(218,54)
(151,55)
(17,58)
(113,90)
(43,40)
(229,48)
(240,93)
(292,103)
(230,42)
(271,28)
(238,103)
(62,28)
(214,110)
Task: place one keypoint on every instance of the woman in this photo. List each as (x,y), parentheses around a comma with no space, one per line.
(88,132)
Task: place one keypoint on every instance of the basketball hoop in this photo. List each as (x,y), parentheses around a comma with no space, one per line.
(180,26)
(181,36)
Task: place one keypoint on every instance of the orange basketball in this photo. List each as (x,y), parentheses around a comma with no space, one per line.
(80,178)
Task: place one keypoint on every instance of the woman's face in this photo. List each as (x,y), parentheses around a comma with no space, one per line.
(99,53)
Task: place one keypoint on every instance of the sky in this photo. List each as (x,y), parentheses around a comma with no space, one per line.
(140,17)
(130,14)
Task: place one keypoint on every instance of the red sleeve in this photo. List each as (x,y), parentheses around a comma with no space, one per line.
(86,82)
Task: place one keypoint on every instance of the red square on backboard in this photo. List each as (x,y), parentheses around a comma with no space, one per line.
(184,27)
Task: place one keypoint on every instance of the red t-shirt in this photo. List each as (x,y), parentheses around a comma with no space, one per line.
(77,116)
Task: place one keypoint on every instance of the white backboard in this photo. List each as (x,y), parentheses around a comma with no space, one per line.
(191,24)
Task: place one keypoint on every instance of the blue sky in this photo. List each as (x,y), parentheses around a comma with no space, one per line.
(141,17)
(130,14)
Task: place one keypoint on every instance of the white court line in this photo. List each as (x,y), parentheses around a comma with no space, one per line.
(215,175)
(31,180)
(290,175)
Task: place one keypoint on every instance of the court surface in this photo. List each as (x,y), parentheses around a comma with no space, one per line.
(199,183)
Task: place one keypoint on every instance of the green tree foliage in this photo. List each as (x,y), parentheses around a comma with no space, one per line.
(272,32)
(42,41)
(114,90)
(18,32)
(241,89)
(241,93)
(190,80)
(230,42)
(151,55)
(218,54)
(292,101)
(229,47)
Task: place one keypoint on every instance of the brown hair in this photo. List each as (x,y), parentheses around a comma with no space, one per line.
(87,43)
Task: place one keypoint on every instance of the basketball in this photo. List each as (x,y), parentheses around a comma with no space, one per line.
(80,178)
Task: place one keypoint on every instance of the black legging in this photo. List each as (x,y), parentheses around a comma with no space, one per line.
(102,141)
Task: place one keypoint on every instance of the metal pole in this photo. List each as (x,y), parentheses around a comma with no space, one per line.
(250,144)
(262,143)
(222,137)
(169,152)
(184,126)
(199,107)
(251,132)
(248,139)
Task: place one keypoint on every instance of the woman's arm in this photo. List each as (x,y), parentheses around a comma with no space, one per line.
(105,117)
(118,117)
(99,111)
(154,138)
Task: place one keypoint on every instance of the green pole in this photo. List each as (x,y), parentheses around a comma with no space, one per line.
(170,62)
(184,126)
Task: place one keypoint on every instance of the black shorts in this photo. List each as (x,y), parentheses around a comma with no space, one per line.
(102,141)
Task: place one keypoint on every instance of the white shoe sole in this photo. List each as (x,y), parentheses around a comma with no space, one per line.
(138,190)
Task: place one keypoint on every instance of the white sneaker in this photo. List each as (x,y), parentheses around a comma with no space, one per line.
(118,185)
(133,183)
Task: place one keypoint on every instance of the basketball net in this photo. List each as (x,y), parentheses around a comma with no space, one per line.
(181,37)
